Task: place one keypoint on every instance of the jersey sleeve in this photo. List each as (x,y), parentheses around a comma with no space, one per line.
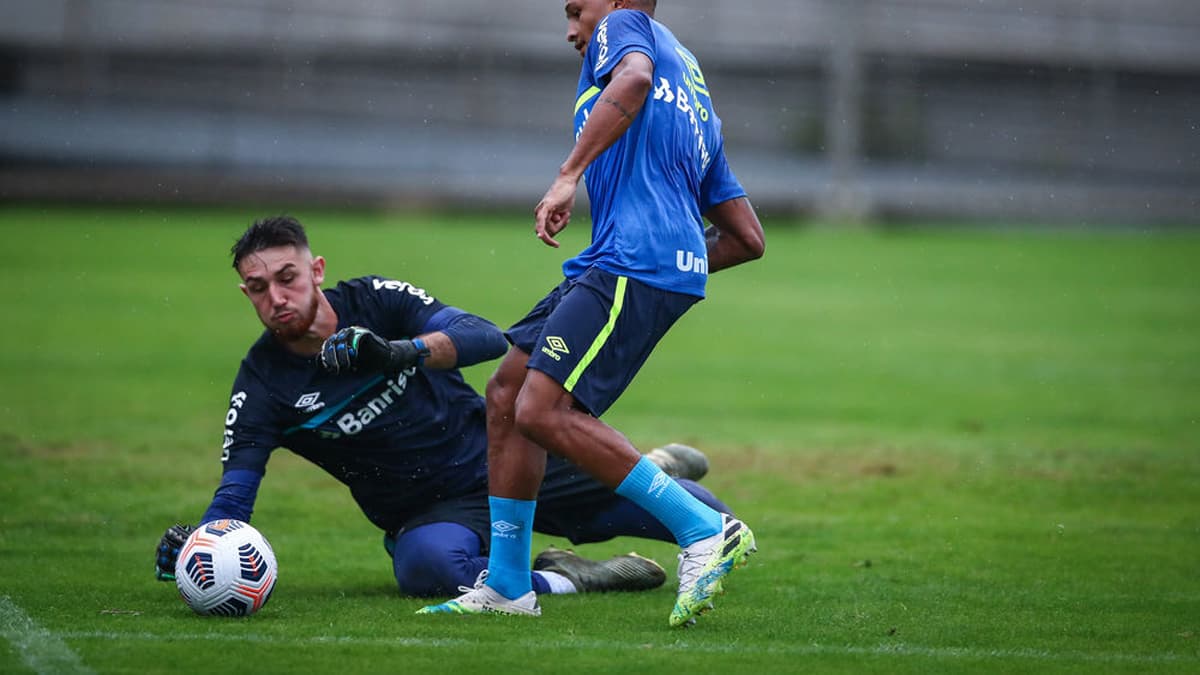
(249,438)
(250,432)
(620,33)
(400,309)
(719,184)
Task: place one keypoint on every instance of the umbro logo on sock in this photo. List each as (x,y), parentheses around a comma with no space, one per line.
(658,484)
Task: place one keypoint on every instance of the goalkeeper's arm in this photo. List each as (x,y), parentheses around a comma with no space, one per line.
(451,338)
(234,499)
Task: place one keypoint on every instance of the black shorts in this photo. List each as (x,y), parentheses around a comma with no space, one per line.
(592,334)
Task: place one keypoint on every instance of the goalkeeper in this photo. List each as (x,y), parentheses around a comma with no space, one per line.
(362,380)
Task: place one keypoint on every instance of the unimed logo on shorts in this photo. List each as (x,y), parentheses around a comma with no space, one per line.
(556,347)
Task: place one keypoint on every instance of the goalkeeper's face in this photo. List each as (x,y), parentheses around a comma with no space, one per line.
(284,285)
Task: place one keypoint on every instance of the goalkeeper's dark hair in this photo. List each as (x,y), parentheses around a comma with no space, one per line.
(269,233)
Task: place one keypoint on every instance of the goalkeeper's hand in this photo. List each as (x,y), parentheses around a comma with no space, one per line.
(168,551)
(356,349)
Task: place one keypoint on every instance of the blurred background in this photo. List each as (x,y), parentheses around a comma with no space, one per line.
(1054,111)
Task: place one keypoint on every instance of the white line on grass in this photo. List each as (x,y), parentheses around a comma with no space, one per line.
(41,650)
(945,653)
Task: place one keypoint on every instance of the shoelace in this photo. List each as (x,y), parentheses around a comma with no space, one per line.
(479,581)
(689,568)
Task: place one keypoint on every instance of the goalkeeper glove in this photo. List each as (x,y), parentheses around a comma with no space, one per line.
(356,349)
(168,551)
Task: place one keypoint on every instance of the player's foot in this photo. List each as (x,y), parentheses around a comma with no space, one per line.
(680,461)
(629,572)
(704,564)
(484,600)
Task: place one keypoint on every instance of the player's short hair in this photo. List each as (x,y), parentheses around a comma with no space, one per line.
(267,233)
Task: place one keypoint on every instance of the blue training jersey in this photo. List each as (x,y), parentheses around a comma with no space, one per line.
(650,189)
(399,443)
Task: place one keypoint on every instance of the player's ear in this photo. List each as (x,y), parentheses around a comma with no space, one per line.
(318,270)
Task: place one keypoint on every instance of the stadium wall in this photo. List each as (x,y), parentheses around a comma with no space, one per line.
(1070,110)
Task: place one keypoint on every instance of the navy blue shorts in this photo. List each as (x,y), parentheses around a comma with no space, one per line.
(592,334)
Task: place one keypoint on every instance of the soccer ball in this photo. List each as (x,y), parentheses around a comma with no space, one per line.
(226,568)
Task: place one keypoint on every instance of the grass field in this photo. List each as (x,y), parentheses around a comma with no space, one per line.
(960,450)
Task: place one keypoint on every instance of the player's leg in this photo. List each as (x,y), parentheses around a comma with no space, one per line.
(437,559)
(576,506)
(596,340)
(622,517)
(515,469)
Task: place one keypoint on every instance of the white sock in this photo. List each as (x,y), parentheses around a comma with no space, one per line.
(557,582)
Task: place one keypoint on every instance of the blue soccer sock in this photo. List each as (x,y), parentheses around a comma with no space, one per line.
(688,518)
(512,542)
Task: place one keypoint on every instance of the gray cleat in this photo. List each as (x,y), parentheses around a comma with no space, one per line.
(680,461)
(630,572)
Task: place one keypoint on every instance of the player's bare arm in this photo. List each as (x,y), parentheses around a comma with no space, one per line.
(618,106)
(735,236)
(442,352)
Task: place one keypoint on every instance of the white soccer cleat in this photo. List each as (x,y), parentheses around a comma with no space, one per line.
(704,564)
(483,599)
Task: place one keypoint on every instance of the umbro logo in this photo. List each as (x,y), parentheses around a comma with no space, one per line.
(658,484)
(557,346)
(310,402)
(504,529)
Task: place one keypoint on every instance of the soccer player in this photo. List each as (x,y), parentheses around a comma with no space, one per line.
(650,141)
(363,380)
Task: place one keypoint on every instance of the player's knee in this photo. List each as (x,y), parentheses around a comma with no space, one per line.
(501,393)
(532,419)
(424,571)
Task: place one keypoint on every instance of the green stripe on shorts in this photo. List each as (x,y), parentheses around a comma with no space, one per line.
(618,302)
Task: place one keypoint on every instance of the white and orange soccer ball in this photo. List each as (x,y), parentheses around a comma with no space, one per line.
(226,568)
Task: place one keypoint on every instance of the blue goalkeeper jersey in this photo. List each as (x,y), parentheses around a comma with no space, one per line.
(399,443)
(650,189)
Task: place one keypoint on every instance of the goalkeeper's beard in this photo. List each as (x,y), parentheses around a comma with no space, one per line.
(294,330)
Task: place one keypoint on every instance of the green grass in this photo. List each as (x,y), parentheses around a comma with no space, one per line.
(960,450)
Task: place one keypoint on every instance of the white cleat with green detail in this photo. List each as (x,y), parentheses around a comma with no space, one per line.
(704,565)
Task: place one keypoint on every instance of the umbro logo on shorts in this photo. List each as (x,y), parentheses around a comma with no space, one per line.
(556,346)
